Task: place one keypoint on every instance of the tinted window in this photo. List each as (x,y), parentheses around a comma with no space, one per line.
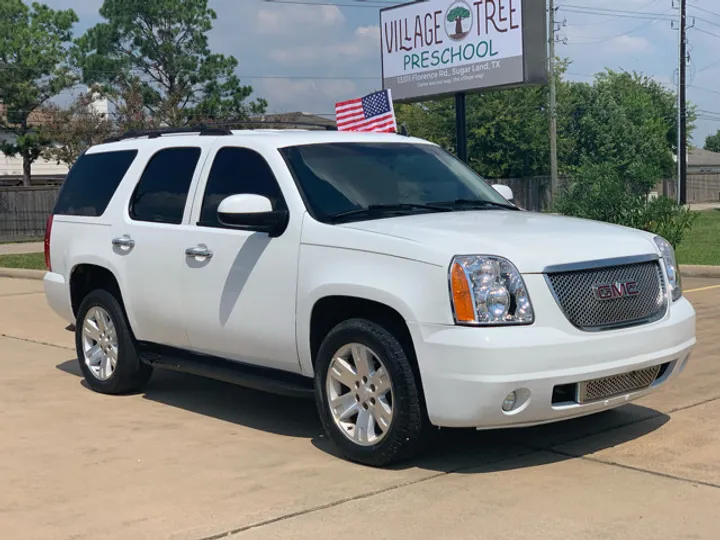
(92,182)
(238,171)
(345,177)
(163,188)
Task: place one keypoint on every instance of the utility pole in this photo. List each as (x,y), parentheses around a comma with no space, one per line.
(554,182)
(682,95)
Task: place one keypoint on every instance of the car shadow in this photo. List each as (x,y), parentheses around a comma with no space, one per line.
(465,451)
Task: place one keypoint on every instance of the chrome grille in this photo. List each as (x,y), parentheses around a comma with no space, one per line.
(616,385)
(574,292)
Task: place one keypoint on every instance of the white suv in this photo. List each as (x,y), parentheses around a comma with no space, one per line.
(374,272)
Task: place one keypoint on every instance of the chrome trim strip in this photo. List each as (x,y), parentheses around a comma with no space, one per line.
(600,263)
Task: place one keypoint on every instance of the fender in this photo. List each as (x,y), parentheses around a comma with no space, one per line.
(418,291)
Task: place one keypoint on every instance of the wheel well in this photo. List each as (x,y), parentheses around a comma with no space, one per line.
(88,277)
(330,311)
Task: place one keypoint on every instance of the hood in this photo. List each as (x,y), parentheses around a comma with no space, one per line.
(531,241)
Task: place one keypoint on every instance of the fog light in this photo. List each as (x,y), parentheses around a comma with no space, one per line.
(509,403)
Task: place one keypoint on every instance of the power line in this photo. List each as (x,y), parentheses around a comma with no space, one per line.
(711,65)
(376,4)
(613,17)
(706,32)
(706,11)
(608,38)
(616,12)
(7,67)
(704,89)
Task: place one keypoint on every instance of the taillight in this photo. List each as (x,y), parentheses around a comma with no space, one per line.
(48,229)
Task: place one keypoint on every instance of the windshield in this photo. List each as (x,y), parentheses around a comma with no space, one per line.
(375,180)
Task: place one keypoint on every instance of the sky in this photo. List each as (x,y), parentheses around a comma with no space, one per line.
(307,57)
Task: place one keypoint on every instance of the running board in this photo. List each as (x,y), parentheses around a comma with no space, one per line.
(220,369)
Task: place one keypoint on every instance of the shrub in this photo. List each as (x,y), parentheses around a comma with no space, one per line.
(667,218)
(598,192)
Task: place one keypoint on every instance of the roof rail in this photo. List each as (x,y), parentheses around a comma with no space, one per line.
(212,129)
(203,129)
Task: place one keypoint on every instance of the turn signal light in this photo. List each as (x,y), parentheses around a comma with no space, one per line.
(462,300)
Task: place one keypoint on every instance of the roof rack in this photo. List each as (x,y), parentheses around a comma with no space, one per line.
(214,129)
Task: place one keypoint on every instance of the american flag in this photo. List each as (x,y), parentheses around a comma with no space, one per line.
(373,112)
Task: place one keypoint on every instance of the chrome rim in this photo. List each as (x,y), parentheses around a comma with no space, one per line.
(359,394)
(100,344)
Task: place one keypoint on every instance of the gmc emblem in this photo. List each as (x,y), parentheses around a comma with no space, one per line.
(613,291)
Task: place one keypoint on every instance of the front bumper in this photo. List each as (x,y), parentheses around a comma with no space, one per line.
(467,372)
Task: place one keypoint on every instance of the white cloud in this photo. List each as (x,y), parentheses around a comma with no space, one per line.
(627,45)
(295,19)
(364,43)
(311,96)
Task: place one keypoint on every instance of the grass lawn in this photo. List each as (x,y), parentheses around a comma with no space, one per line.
(701,244)
(32,261)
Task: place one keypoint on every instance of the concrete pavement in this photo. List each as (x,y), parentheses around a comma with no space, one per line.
(24,247)
(192,459)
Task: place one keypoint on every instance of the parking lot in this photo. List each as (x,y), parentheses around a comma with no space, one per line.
(196,459)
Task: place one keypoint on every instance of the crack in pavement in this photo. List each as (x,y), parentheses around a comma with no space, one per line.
(531,450)
(19,294)
(38,342)
(358,497)
(686,407)
(638,469)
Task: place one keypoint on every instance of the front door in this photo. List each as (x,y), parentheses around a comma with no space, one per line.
(239,286)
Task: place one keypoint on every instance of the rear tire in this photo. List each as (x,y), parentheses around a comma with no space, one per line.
(106,348)
(367,395)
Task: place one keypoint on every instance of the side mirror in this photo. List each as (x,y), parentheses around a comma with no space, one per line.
(505,191)
(252,213)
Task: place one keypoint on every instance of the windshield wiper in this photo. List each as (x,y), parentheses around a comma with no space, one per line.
(375,210)
(475,204)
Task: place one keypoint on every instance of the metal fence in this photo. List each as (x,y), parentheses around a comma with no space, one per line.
(24,212)
(532,194)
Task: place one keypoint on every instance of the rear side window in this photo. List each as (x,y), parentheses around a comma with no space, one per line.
(237,171)
(92,182)
(162,191)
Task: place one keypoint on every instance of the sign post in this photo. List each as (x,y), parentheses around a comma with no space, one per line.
(461,127)
(438,48)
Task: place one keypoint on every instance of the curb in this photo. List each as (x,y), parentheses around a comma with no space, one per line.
(698,271)
(22,273)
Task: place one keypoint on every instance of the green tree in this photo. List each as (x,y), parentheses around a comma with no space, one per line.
(627,122)
(73,129)
(507,131)
(34,43)
(161,48)
(712,142)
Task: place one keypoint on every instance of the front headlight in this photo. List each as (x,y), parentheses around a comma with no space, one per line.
(671,266)
(488,291)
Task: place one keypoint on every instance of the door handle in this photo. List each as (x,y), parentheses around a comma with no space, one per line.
(200,252)
(124,242)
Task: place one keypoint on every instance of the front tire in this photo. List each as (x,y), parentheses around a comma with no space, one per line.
(367,396)
(105,346)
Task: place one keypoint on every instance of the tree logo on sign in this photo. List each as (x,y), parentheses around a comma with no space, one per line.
(458,21)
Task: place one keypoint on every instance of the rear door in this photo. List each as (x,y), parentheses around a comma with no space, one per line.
(149,241)
(240,300)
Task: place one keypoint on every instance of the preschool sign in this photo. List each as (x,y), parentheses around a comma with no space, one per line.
(439,47)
